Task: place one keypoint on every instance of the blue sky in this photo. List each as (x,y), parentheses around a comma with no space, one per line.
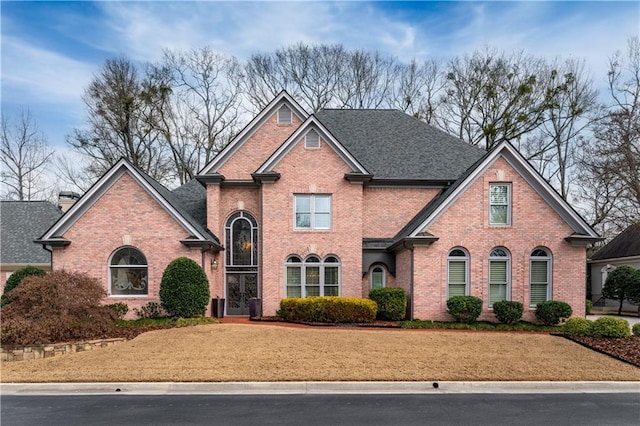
(51,50)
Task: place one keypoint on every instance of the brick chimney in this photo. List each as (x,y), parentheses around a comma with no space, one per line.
(66,199)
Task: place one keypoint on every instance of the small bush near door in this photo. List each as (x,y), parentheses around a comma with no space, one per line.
(508,311)
(184,289)
(465,309)
(391,301)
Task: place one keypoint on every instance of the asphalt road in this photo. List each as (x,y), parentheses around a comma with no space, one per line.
(447,409)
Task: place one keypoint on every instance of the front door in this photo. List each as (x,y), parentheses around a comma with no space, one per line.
(240,288)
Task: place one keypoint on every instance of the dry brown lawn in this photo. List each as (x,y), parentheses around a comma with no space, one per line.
(234,352)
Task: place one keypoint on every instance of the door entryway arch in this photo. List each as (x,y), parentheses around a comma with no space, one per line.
(241,262)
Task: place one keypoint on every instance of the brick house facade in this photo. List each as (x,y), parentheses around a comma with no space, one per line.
(335,203)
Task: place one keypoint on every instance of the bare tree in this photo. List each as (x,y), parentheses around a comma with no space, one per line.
(417,89)
(367,81)
(25,157)
(491,96)
(123,108)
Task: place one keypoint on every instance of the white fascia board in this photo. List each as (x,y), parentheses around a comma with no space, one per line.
(222,157)
(533,178)
(311,122)
(99,188)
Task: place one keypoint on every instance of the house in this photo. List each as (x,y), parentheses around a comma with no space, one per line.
(336,203)
(624,249)
(21,222)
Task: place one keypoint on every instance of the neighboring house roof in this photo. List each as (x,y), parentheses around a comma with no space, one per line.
(416,227)
(393,145)
(21,222)
(626,244)
(181,205)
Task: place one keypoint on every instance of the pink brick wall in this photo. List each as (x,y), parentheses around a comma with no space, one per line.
(465,224)
(126,209)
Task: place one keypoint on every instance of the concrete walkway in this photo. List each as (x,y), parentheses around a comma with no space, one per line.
(630,320)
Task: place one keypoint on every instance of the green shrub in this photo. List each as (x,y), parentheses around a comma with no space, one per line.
(552,312)
(610,327)
(465,309)
(329,309)
(119,308)
(56,307)
(636,329)
(588,306)
(391,301)
(577,327)
(17,277)
(184,289)
(152,310)
(508,312)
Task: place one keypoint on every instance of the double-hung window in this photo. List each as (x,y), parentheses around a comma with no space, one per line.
(499,204)
(458,273)
(312,211)
(499,275)
(377,277)
(540,276)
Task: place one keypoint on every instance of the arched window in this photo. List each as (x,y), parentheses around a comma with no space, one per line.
(540,276)
(312,277)
(128,273)
(242,240)
(499,275)
(458,272)
(378,277)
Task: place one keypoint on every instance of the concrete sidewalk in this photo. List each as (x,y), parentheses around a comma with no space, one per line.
(267,388)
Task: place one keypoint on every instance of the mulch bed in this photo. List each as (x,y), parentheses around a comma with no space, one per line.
(624,349)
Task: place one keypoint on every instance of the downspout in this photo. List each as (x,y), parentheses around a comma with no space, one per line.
(44,246)
(260,246)
(411,273)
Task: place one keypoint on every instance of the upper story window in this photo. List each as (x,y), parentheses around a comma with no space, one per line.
(540,273)
(499,204)
(284,115)
(499,275)
(312,139)
(312,277)
(378,277)
(312,211)
(241,232)
(128,273)
(458,273)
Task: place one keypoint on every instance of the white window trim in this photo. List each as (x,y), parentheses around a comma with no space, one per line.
(549,259)
(509,203)
(110,266)
(280,118)
(466,260)
(384,275)
(303,275)
(312,212)
(508,266)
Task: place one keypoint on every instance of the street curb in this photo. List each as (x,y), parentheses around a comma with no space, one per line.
(315,388)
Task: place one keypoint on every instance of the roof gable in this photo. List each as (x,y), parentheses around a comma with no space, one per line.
(232,147)
(625,244)
(311,123)
(507,151)
(197,231)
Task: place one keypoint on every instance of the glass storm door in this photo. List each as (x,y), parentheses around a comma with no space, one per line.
(240,288)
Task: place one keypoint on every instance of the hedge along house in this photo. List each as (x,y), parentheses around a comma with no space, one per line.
(336,203)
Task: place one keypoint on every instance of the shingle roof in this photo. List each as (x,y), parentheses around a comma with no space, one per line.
(192,197)
(626,244)
(21,222)
(393,145)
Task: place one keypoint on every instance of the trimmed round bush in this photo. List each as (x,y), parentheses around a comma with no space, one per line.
(552,312)
(15,278)
(391,301)
(184,289)
(508,312)
(329,309)
(577,327)
(465,309)
(636,329)
(610,327)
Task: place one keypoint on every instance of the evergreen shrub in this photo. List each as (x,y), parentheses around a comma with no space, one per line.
(577,327)
(391,301)
(328,309)
(552,312)
(184,289)
(610,327)
(465,309)
(508,312)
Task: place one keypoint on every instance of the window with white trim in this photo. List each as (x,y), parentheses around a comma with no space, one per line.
(284,115)
(312,139)
(378,277)
(499,204)
(312,276)
(458,273)
(540,276)
(499,275)
(128,273)
(312,211)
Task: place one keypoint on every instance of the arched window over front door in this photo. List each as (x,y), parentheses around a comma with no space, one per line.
(241,262)
(128,273)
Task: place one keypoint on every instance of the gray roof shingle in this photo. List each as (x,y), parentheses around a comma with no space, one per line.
(626,244)
(393,145)
(21,222)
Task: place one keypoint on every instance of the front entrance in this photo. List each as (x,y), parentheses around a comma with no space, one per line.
(240,288)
